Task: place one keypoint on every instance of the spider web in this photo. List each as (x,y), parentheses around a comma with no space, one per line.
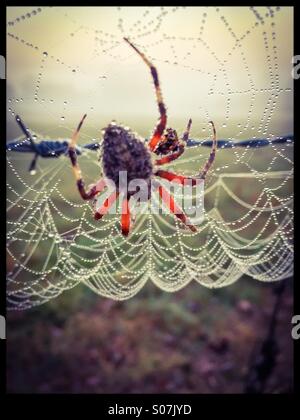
(230,65)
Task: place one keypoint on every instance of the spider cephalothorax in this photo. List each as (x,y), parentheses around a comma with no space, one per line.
(122,151)
(169,143)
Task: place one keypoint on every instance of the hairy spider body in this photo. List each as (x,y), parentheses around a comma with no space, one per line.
(123,152)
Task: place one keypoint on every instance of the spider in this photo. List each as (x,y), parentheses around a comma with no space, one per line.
(122,151)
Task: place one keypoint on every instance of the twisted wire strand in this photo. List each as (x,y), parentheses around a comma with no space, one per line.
(55,148)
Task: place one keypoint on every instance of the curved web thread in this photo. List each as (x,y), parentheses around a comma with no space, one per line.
(228,65)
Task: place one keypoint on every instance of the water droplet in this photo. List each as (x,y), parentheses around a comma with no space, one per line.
(62,118)
(45,54)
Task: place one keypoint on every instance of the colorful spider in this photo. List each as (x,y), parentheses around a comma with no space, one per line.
(122,151)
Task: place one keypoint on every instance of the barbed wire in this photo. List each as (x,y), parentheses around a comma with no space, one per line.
(54,148)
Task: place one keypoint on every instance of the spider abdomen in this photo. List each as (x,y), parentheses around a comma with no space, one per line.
(122,151)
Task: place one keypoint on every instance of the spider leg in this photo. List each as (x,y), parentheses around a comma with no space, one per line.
(170,176)
(125,218)
(75,135)
(186,134)
(161,106)
(176,210)
(86,195)
(95,189)
(99,187)
(170,157)
(212,155)
(106,205)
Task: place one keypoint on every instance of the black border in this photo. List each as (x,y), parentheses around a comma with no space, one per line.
(80,404)
(3,209)
(296,232)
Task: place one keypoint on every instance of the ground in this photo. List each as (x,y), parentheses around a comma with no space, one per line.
(193,341)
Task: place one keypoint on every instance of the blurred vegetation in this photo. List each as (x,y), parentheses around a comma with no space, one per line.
(193,341)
